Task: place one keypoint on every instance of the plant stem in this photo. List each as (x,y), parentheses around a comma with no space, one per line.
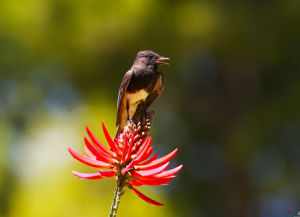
(117,196)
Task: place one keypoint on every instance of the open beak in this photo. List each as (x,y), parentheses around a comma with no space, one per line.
(161,59)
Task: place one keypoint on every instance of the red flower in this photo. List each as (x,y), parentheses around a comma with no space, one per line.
(128,158)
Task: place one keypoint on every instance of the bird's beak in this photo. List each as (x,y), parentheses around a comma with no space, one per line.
(159,61)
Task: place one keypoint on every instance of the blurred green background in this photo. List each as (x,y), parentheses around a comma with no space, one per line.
(231,103)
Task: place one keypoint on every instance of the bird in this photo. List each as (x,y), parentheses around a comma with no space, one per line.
(140,86)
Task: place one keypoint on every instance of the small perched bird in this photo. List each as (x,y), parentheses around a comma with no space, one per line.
(140,86)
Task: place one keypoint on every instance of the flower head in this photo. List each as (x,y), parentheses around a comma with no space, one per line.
(127,158)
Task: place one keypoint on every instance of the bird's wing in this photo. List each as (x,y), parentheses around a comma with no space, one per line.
(158,88)
(124,84)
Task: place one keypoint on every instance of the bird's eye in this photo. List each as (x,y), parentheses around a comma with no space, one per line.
(150,57)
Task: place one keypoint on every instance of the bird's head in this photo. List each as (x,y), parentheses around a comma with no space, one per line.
(150,59)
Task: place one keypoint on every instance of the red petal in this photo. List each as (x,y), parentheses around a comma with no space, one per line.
(141,155)
(125,147)
(158,162)
(155,181)
(143,146)
(152,172)
(88,161)
(99,144)
(88,175)
(109,173)
(130,146)
(129,166)
(89,153)
(168,172)
(145,198)
(99,155)
(150,160)
(165,174)
(149,152)
(109,140)
(135,183)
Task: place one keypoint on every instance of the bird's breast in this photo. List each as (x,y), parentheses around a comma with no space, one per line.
(134,99)
(137,96)
(142,80)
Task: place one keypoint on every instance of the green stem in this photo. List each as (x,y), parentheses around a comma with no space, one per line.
(117,197)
